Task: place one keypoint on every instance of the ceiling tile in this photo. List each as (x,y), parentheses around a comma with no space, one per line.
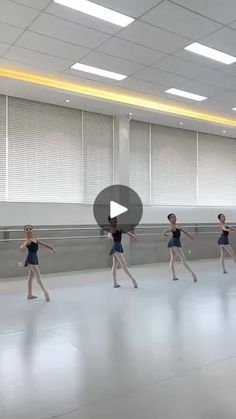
(215,9)
(16,14)
(35,4)
(82,18)
(221,104)
(29,67)
(175,100)
(141,86)
(223,40)
(107,62)
(67,31)
(229,69)
(152,37)
(130,51)
(3,47)
(41,60)
(46,45)
(201,88)
(134,8)
(9,33)
(197,59)
(219,79)
(160,77)
(178,66)
(177,19)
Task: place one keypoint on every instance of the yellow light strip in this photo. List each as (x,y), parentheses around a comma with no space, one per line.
(114,95)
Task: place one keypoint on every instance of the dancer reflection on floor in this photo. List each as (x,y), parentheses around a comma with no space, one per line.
(31,262)
(223,242)
(117,251)
(176,247)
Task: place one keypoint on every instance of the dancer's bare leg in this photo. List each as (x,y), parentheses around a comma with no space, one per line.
(124,266)
(114,271)
(38,277)
(222,259)
(230,251)
(179,252)
(30,296)
(172,264)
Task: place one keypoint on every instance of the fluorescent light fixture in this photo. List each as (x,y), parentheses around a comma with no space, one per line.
(95,10)
(98,71)
(233,109)
(187,95)
(211,53)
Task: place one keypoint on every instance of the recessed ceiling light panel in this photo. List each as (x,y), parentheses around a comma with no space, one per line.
(211,53)
(98,71)
(186,95)
(92,9)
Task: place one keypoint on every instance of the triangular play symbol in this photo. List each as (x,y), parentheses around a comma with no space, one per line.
(116,209)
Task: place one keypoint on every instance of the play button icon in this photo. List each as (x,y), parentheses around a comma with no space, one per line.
(118,201)
(116,209)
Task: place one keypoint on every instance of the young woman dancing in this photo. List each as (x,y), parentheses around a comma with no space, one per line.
(176,247)
(117,251)
(223,242)
(31,262)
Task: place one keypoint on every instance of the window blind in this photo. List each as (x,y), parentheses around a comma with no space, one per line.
(44,152)
(98,154)
(216,170)
(174,166)
(2,148)
(140,159)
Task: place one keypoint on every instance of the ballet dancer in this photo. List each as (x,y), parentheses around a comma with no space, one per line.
(117,251)
(223,242)
(31,262)
(176,247)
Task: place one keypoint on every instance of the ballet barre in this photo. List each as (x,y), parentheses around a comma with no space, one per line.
(190,226)
(103,236)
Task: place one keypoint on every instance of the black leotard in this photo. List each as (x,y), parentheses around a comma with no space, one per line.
(175,240)
(32,258)
(224,238)
(117,246)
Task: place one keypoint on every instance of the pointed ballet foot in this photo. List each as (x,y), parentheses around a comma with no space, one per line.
(117,286)
(175,279)
(195,279)
(135,285)
(31,297)
(47,298)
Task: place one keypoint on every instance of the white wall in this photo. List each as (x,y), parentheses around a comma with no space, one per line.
(14,214)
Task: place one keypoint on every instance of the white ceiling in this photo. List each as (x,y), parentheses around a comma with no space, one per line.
(39,35)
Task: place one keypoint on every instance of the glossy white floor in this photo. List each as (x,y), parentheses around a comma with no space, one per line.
(164,351)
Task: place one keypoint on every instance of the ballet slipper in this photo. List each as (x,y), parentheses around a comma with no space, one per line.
(47,298)
(117,286)
(194,278)
(31,297)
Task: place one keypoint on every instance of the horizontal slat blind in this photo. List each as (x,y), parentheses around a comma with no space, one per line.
(98,154)
(45,152)
(2,148)
(217,170)
(140,159)
(174,166)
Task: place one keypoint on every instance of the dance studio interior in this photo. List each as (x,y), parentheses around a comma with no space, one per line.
(117,209)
